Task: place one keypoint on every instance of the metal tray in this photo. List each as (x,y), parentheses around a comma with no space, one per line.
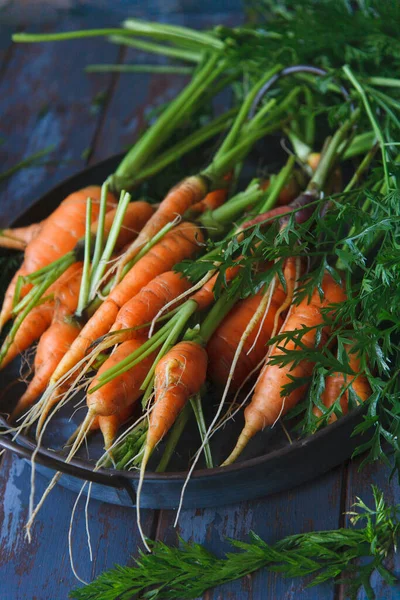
(270,463)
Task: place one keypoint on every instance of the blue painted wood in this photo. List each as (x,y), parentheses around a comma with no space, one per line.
(41,569)
(46,101)
(315,505)
(49,75)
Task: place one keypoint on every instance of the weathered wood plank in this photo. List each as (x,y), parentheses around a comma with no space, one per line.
(47,100)
(41,570)
(315,505)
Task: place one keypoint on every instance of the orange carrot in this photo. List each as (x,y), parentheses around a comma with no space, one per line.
(176,245)
(212,201)
(59,234)
(40,317)
(109,425)
(222,346)
(145,305)
(268,404)
(178,376)
(188,192)
(19,237)
(136,216)
(336,386)
(54,343)
(121,393)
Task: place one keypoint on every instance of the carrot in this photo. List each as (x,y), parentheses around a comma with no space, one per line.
(336,386)
(123,391)
(59,234)
(222,346)
(212,201)
(178,376)
(19,237)
(188,192)
(54,343)
(109,425)
(145,305)
(40,317)
(268,404)
(176,245)
(136,215)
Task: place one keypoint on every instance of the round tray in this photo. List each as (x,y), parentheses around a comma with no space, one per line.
(270,464)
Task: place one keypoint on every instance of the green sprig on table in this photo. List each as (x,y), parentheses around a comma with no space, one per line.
(348,555)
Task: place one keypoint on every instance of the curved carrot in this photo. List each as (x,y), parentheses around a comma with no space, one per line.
(54,343)
(110,425)
(268,404)
(188,192)
(336,386)
(124,390)
(19,237)
(40,317)
(178,376)
(222,346)
(59,234)
(145,305)
(212,201)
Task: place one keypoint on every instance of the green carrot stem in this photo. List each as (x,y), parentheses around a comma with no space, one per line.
(359,145)
(192,141)
(372,119)
(67,35)
(174,33)
(85,281)
(328,157)
(157,134)
(219,167)
(99,243)
(216,220)
(181,318)
(260,115)
(384,81)
(97,275)
(214,317)
(173,438)
(309,119)
(235,130)
(170,69)
(278,184)
(197,407)
(362,167)
(180,53)
(33,302)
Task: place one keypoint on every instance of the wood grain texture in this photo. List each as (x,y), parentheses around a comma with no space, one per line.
(45,99)
(312,506)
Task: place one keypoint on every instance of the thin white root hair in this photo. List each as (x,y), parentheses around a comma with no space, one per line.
(269,295)
(88,537)
(189,292)
(71,559)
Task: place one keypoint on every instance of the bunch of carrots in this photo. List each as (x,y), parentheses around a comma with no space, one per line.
(137,306)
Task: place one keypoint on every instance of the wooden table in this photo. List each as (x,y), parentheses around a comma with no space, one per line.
(47,99)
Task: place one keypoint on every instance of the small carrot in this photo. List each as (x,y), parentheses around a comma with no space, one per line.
(222,346)
(178,376)
(336,386)
(268,404)
(19,237)
(188,192)
(110,425)
(54,343)
(125,390)
(145,305)
(59,234)
(40,317)
(212,201)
